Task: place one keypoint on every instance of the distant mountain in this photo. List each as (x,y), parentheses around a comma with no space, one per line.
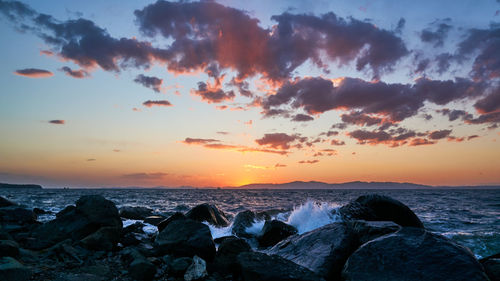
(346,185)
(8,185)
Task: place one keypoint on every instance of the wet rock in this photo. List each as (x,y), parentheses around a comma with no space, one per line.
(104,239)
(91,213)
(64,252)
(154,220)
(12,270)
(9,248)
(39,211)
(491,266)
(241,222)
(186,238)
(376,207)
(135,213)
(225,259)
(129,239)
(197,269)
(17,215)
(135,228)
(274,231)
(368,230)
(175,216)
(142,270)
(219,240)
(179,266)
(259,266)
(6,202)
(208,213)
(412,254)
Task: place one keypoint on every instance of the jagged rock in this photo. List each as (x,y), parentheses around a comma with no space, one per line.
(17,215)
(412,254)
(8,248)
(259,266)
(104,239)
(241,222)
(154,220)
(135,227)
(135,213)
(197,269)
(129,239)
(225,259)
(274,231)
(491,266)
(175,216)
(376,207)
(208,213)
(90,214)
(186,238)
(179,266)
(12,270)
(142,270)
(39,211)
(6,202)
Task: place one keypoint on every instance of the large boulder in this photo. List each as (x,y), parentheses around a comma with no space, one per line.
(6,202)
(228,251)
(274,231)
(259,266)
(326,249)
(135,213)
(91,213)
(104,239)
(197,270)
(12,270)
(9,248)
(165,222)
(186,238)
(412,254)
(376,207)
(209,213)
(491,266)
(17,215)
(241,222)
(142,270)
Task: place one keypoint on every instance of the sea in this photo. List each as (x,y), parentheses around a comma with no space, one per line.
(470,217)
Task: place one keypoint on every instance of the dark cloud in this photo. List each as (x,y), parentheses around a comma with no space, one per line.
(436,34)
(222,133)
(151,103)
(33,73)
(278,140)
(420,141)
(441,134)
(489,103)
(145,176)
(212,94)
(302,118)
(308,161)
(454,114)
(278,165)
(151,82)
(472,137)
(243,87)
(360,119)
(199,141)
(337,142)
(57,122)
(370,137)
(75,73)
(216,144)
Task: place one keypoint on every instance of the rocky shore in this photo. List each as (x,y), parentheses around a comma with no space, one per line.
(378,238)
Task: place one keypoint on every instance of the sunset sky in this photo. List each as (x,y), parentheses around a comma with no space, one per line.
(226,93)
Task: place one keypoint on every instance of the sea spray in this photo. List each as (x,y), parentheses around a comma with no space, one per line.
(312,215)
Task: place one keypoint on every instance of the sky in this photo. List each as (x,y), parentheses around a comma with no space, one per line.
(227,93)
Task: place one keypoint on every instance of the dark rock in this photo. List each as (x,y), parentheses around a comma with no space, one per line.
(412,254)
(241,222)
(376,207)
(128,255)
(225,259)
(90,214)
(197,270)
(12,270)
(491,266)
(186,238)
(6,202)
(39,211)
(179,266)
(368,230)
(17,215)
(135,213)
(208,213)
(5,235)
(64,252)
(129,239)
(142,270)
(135,228)
(175,216)
(274,231)
(67,210)
(219,240)
(9,248)
(104,239)
(154,220)
(259,266)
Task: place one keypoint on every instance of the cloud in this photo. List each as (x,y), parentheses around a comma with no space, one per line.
(420,141)
(217,144)
(151,82)
(437,135)
(278,140)
(437,34)
(33,73)
(75,73)
(454,114)
(222,133)
(57,122)
(151,103)
(472,137)
(489,103)
(91,160)
(199,141)
(337,142)
(360,119)
(278,165)
(212,94)
(145,176)
(302,118)
(308,161)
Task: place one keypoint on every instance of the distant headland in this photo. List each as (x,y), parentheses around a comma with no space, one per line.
(30,186)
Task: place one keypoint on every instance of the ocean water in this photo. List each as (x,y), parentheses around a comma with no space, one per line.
(470,217)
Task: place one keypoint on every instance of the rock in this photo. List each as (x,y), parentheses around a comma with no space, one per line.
(8,248)
(326,249)
(241,222)
(39,211)
(186,238)
(219,240)
(142,270)
(12,270)
(175,216)
(128,255)
(376,207)
(274,231)
(208,213)
(17,215)
(225,259)
(154,220)
(104,239)
(135,227)
(491,266)
(197,270)
(6,202)
(129,239)
(90,214)
(259,266)
(179,266)
(135,213)
(412,254)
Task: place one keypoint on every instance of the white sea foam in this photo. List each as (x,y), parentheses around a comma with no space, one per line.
(149,228)
(218,232)
(312,215)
